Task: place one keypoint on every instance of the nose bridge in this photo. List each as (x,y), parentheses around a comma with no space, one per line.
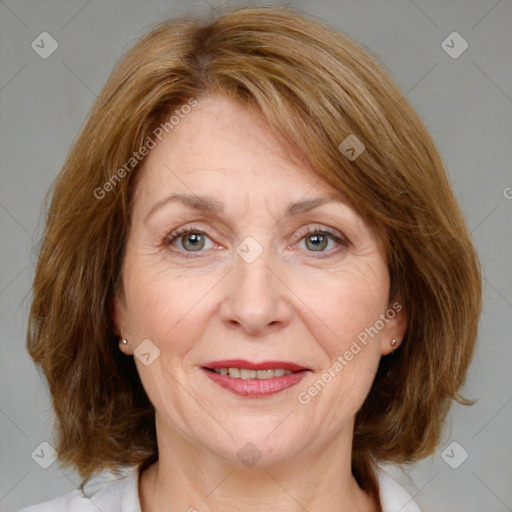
(256,298)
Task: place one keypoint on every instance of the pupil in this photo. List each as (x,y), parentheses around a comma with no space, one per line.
(318,241)
(194,240)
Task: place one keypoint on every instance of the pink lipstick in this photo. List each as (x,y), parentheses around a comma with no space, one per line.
(254,380)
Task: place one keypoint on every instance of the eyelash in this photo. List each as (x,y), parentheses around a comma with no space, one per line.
(185,230)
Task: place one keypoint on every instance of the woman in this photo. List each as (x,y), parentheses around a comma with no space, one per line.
(255,284)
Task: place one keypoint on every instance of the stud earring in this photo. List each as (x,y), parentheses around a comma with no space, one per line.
(124,342)
(393,343)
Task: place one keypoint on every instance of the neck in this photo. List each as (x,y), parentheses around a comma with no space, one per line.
(196,480)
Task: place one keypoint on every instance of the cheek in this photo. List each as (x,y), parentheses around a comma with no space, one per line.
(349,307)
(163,304)
(348,302)
(352,352)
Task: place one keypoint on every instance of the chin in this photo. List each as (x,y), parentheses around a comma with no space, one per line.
(266,442)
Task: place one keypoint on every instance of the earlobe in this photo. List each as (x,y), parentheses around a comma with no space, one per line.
(124,347)
(120,329)
(393,336)
(392,345)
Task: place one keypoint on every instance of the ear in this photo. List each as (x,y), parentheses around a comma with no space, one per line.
(396,320)
(119,320)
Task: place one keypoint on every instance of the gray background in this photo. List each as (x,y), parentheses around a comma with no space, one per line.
(466,103)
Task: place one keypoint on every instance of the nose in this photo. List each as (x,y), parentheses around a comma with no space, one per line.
(257,299)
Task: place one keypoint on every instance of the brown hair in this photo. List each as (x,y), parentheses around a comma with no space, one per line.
(315,87)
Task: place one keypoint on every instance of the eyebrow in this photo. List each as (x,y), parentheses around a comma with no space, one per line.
(204,203)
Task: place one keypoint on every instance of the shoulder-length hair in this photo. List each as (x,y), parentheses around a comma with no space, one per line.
(315,86)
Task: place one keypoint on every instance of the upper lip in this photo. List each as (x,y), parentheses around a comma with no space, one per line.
(264,365)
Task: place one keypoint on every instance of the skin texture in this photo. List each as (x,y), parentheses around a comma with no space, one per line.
(293,303)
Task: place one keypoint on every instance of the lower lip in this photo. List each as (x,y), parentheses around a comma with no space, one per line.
(255,388)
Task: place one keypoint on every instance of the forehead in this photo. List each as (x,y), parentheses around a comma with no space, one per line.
(224,148)
(224,159)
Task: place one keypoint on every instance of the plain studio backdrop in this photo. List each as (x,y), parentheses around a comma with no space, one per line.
(461,85)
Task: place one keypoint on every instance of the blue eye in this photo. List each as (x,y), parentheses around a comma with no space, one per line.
(195,240)
(319,239)
(192,240)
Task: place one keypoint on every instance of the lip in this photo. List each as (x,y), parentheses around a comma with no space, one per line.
(255,388)
(265,365)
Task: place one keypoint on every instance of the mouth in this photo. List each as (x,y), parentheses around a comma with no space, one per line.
(254,380)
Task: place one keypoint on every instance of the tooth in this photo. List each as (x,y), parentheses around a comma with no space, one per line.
(265,374)
(247,374)
(234,372)
(244,373)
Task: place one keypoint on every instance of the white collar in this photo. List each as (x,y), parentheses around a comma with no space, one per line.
(110,492)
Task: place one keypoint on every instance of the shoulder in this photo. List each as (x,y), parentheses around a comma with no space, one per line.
(393,497)
(106,493)
(70,501)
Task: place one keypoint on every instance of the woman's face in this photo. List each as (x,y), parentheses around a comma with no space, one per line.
(234,275)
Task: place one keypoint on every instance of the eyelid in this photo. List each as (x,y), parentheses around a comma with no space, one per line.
(332,233)
(322,229)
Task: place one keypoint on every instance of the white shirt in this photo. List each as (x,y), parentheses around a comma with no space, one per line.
(122,495)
